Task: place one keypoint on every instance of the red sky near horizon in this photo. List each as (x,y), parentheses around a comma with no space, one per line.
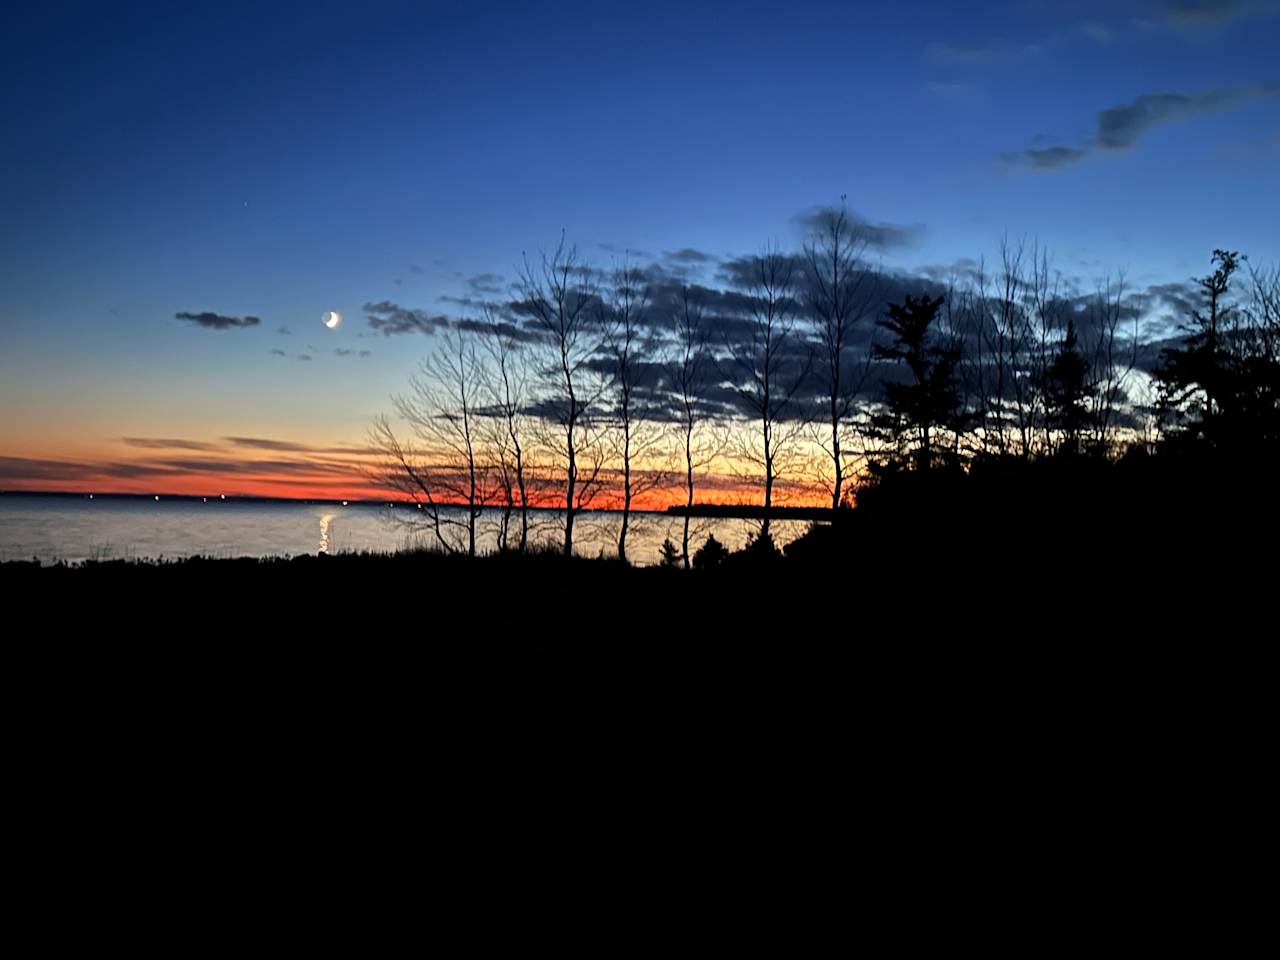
(239,466)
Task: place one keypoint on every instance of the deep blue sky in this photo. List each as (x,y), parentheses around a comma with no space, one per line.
(281,162)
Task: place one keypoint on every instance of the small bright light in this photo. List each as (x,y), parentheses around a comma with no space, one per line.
(224,496)
(157,496)
(91,496)
(344,503)
(331,319)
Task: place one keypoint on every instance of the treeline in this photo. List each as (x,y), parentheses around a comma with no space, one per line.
(816,373)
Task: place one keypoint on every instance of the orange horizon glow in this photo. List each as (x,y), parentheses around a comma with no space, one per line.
(89,477)
(283,489)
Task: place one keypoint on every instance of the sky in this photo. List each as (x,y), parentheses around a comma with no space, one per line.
(168,172)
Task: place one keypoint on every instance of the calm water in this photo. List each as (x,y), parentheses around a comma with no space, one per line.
(68,528)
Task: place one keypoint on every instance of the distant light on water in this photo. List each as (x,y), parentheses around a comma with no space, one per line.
(157,496)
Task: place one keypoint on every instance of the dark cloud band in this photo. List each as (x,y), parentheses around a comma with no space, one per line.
(216,321)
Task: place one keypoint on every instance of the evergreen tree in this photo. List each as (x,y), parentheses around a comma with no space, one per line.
(1193,377)
(1221,388)
(710,554)
(917,409)
(1067,390)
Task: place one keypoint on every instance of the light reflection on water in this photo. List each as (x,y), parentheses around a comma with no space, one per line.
(72,529)
(325,523)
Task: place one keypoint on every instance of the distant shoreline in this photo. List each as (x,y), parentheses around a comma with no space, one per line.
(722,511)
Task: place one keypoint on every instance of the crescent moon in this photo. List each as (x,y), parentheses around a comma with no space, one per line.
(332,319)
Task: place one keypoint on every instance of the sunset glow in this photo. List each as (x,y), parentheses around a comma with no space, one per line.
(218,279)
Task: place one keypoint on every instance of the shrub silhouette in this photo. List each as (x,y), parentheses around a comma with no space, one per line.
(711,554)
(670,554)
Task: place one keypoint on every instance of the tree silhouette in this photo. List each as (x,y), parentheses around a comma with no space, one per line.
(769,365)
(710,554)
(558,297)
(670,554)
(624,311)
(839,292)
(919,408)
(445,462)
(1067,391)
(1193,377)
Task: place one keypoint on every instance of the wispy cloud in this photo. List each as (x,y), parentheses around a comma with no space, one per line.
(289,446)
(1200,17)
(1121,127)
(487,283)
(162,443)
(981,51)
(877,236)
(390,319)
(1097,31)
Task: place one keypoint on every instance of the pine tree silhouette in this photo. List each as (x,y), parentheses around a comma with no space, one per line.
(917,409)
(1067,391)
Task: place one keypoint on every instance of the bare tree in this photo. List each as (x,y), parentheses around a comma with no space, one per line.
(625,314)
(1265,289)
(688,369)
(840,292)
(559,295)
(507,396)
(1112,362)
(1004,336)
(771,365)
(442,463)
(1043,305)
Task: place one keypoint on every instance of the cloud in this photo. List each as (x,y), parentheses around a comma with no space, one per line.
(1201,17)
(1121,127)
(1097,31)
(304,356)
(689,256)
(390,319)
(284,330)
(257,443)
(289,446)
(979,52)
(216,321)
(23,468)
(876,236)
(629,252)
(348,352)
(1049,158)
(487,283)
(504,329)
(153,443)
(279,353)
